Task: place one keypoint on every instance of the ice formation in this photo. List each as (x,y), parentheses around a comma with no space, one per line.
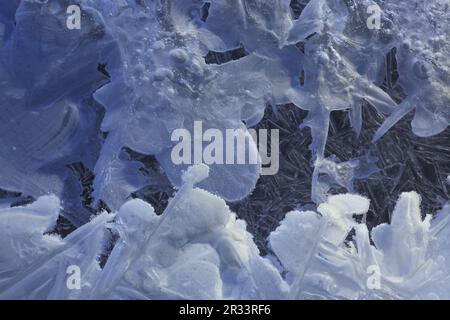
(198,250)
(407,254)
(80,101)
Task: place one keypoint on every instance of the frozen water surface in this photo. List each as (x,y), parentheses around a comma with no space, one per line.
(359,208)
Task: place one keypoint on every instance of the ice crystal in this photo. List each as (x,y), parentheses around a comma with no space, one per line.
(87,178)
(197,249)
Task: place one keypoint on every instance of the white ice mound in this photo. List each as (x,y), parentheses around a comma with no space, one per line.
(196,249)
(402,262)
(33,262)
(22,236)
